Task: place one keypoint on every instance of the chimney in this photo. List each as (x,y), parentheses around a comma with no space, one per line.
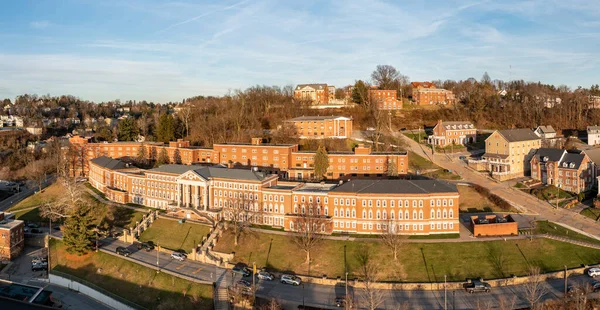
(440,122)
(256,141)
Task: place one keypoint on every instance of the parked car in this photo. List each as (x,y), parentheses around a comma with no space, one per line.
(244,283)
(573,291)
(178,256)
(290,279)
(35,231)
(462,157)
(594,272)
(123,251)
(26,229)
(39,267)
(242,270)
(340,302)
(148,246)
(264,275)
(33,225)
(595,286)
(477,286)
(56,227)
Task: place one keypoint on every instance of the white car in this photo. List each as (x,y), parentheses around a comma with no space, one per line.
(264,275)
(594,272)
(290,279)
(178,256)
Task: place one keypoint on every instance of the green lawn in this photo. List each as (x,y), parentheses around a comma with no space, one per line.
(416,162)
(593,213)
(442,174)
(172,235)
(543,227)
(417,262)
(131,281)
(50,193)
(32,215)
(550,192)
(416,136)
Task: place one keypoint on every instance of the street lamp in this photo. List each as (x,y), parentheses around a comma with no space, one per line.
(302,295)
(557,193)
(445,295)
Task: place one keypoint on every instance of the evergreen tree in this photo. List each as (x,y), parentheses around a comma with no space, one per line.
(360,92)
(166,128)
(321,163)
(127,130)
(78,233)
(142,156)
(163,158)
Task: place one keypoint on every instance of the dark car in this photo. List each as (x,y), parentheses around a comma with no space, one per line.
(148,246)
(242,270)
(340,302)
(477,287)
(35,231)
(595,286)
(33,225)
(56,227)
(123,251)
(244,283)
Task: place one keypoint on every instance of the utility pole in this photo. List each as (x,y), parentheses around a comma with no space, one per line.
(445,295)
(96,238)
(157,258)
(566,280)
(253,283)
(346,271)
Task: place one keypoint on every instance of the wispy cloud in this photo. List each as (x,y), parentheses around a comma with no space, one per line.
(205,14)
(39,24)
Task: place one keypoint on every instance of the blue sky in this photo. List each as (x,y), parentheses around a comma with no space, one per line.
(169,50)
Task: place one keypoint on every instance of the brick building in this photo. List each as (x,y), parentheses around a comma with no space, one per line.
(282,159)
(494,225)
(12,237)
(315,93)
(359,206)
(448,133)
(322,127)
(426,93)
(572,172)
(385,99)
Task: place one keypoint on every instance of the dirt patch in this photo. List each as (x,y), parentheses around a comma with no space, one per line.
(471,200)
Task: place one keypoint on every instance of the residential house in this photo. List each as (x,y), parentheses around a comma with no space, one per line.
(322,127)
(572,172)
(385,99)
(453,133)
(426,93)
(594,102)
(331,92)
(594,155)
(12,237)
(315,93)
(545,132)
(508,153)
(593,135)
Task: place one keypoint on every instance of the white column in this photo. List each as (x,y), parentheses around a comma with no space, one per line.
(205,197)
(178,195)
(189,196)
(197,196)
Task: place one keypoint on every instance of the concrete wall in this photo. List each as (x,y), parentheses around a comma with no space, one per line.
(85,290)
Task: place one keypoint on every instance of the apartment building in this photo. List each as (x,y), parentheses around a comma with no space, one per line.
(593,135)
(315,93)
(572,172)
(385,99)
(508,153)
(359,206)
(282,159)
(449,133)
(12,237)
(322,127)
(426,93)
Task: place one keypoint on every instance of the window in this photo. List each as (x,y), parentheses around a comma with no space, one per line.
(414,203)
(391,203)
(392,215)
(420,203)
(335,201)
(414,215)
(353,202)
(451,214)
(378,215)
(444,214)
(432,214)
(421,214)
(353,213)
(370,214)
(438,203)
(364,214)
(335,212)
(370,203)
(399,203)
(364,226)
(378,203)
(451,202)
(364,203)
(444,202)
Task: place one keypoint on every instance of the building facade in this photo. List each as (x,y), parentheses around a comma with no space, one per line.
(385,99)
(315,93)
(593,135)
(426,93)
(508,153)
(12,237)
(322,127)
(449,133)
(359,206)
(282,159)
(572,172)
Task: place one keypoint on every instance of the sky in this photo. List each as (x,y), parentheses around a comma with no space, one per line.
(169,50)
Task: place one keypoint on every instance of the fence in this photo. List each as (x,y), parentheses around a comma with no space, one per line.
(91,290)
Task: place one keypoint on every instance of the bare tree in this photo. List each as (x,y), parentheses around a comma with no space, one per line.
(310,225)
(507,303)
(241,212)
(392,238)
(369,271)
(377,126)
(271,304)
(186,114)
(535,288)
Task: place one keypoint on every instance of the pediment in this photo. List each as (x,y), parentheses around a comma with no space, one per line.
(191,176)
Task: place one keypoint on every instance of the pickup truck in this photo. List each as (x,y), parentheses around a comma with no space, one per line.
(477,286)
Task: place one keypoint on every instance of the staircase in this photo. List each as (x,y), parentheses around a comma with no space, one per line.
(221,295)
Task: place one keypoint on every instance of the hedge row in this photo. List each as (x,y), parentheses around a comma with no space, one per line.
(495,199)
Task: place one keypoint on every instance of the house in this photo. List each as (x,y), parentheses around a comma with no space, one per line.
(426,93)
(573,172)
(449,133)
(593,135)
(594,155)
(331,92)
(12,237)
(385,99)
(18,121)
(545,132)
(322,127)
(315,93)
(37,131)
(594,102)
(508,153)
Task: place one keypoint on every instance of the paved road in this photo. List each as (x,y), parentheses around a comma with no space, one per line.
(529,203)
(25,192)
(323,295)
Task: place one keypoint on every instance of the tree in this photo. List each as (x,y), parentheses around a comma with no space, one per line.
(166,128)
(386,77)
(240,213)
(186,113)
(391,166)
(103,133)
(485,79)
(369,272)
(360,93)
(535,288)
(128,130)
(392,238)
(163,158)
(78,233)
(309,225)
(321,163)
(142,156)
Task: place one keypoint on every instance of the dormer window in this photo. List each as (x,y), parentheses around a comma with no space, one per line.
(545,158)
(565,165)
(571,165)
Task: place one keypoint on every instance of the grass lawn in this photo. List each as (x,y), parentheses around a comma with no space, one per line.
(549,193)
(172,235)
(417,262)
(416,136)
(472,201)
(416,162)
(593,213)
(545,227)
(32,215)
(50,193)
(131,281)
(442,174)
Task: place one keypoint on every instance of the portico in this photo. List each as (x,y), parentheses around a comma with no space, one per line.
(192,191)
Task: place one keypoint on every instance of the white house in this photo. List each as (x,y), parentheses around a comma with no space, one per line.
(545,132)
(593,133)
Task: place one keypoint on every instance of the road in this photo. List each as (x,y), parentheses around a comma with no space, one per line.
(25,192)
(527,202)
(324,295)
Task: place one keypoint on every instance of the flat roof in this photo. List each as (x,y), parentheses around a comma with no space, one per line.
(396,187)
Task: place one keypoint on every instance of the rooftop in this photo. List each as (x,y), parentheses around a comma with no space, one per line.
(546,129)
(226,173)
(549,154)
(315,187)
(314,85)
(521,134)
(318,118)
(175,169)
(396,187)
(109,163)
